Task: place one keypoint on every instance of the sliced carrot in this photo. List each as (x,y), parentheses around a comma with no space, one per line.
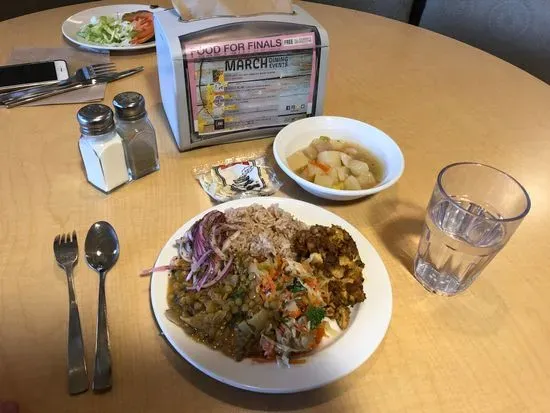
(325,168)
(319,334)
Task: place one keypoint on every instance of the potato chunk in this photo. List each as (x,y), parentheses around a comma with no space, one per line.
(324,180)
(311,152)
(358,168)
(297,161)
(352,183)
(322,143)
(343,173)
(366,180)
(346,159)
(330,158)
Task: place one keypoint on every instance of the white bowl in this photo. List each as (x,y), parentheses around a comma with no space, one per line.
(299,134)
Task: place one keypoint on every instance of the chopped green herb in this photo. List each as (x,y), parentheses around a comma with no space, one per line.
(324,138)
(315,315)
(296,286)
(237,294)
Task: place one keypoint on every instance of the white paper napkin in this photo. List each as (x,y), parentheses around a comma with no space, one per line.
(203,9)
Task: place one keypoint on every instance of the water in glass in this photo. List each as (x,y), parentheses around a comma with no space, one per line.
(458,240)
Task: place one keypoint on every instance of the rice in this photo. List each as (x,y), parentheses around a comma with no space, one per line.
(263,231)
(267,294)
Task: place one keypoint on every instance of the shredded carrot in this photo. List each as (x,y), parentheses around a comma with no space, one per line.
(295,314)
(266,286)
(276,270)
(312,282)
(297,361)
(269,284)
(319,334)
(325,168)
(260,291)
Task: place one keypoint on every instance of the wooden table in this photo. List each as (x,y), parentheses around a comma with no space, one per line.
(487,350)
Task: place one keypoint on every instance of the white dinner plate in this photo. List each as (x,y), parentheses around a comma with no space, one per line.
(368,325)
(72,25)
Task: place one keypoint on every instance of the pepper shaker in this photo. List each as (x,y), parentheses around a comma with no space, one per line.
(101,148)
(137,133)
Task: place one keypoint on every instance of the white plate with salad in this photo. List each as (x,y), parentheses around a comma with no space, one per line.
(339,352)
(116,27)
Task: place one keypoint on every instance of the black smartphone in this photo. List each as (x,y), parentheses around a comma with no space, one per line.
(31,74)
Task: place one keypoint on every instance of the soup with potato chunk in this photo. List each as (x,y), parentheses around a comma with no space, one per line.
(336,164)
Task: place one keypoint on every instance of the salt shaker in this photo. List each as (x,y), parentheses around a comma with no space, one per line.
(137,133)
(101,148)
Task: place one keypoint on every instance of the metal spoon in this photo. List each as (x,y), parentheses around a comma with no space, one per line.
(102,250)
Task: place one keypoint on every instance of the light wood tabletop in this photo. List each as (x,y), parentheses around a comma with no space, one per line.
(486,350)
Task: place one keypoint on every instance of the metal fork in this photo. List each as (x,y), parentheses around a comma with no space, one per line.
(84,73)
(13,103)
(65,248)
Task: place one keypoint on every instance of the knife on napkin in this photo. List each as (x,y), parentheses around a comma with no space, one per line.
(102,79)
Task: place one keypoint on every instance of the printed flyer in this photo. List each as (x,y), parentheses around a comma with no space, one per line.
(250,83)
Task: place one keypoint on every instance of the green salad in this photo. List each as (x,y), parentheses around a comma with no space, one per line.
(108,30)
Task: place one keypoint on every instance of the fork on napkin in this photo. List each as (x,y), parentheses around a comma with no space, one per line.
(75,59)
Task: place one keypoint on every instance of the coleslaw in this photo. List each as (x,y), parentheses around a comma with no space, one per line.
(108,30)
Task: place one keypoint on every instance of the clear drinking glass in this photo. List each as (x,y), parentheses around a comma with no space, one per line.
(473,212)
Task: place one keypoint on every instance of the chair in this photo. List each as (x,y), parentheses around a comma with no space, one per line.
(514,30)
(395,9)
(14,8)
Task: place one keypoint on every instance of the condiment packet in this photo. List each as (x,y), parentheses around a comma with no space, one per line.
(238,178)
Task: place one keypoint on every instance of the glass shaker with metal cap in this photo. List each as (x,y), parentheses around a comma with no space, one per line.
(101,147)
(137,133)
